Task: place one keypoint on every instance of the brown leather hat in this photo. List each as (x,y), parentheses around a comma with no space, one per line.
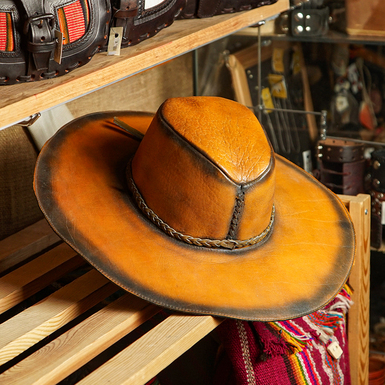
(200,215)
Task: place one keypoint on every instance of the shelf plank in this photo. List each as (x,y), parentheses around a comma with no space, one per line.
(35,275)
(150,354)
(53,312)
(24,244)
(19,101)
(80,344)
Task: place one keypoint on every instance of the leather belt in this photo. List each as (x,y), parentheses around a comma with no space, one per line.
(342,165)
(376,226)
(340,151)
(378,170)
(343,178)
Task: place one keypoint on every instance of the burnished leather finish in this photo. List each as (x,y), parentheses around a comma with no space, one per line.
(191,162)
(34,23)
(179,158)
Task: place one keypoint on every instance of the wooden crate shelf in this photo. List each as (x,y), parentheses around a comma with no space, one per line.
(58,314)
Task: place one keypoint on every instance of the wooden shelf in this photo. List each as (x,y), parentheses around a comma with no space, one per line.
(19,101)
(330,37)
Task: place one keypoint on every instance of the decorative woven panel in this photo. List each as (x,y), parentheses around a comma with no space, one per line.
(74,20)
(7,40)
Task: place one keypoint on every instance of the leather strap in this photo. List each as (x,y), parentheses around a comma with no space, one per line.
(124,16)
(348,180)
(378,170)
(340,151)
(39,29)
(208,8)
(376,230)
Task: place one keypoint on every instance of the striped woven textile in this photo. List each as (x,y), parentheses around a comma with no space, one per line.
(287,352)
(74,20)
(7,40)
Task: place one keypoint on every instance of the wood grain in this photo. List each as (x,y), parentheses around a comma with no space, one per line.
(47,316)
(359,280)
(80,344)
(22,100)
(35,275)
(24,244)
(154,351)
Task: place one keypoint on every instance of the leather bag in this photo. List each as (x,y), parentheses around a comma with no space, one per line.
(43,39)
(141,20)
(208,8)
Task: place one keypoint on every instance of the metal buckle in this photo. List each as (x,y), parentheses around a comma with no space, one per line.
(39,18)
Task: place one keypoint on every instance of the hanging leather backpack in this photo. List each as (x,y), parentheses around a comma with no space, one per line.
(42,39)
(142,19)
(209,8)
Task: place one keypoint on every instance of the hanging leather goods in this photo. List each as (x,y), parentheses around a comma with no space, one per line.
(342,165)
(377,218)
(377,192)
(43,39)
(141,20)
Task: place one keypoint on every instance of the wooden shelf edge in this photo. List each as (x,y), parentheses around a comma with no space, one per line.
(22,100)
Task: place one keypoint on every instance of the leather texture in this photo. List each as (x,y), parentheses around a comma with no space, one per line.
(33,25)
(342,165)
(140,23)
(376,226)
(344,178)
(195,157)
(378,170)
(340,151)
(208,8)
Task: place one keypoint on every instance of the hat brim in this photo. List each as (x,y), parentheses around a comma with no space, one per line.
(81,188)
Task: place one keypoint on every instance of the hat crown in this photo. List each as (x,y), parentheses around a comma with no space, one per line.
(225,132)
(206,168)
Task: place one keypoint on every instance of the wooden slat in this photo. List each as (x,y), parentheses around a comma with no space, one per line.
(22,245)
(35,275)
(358,316)
(37,322)
(22,100)
(158,348)
(79,345)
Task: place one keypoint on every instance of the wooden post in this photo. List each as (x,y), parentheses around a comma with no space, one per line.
(359,280)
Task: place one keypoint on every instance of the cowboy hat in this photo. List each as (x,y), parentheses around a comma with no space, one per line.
(200,215)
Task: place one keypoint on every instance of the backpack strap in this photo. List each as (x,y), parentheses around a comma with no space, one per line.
(124,16)
(39,30)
